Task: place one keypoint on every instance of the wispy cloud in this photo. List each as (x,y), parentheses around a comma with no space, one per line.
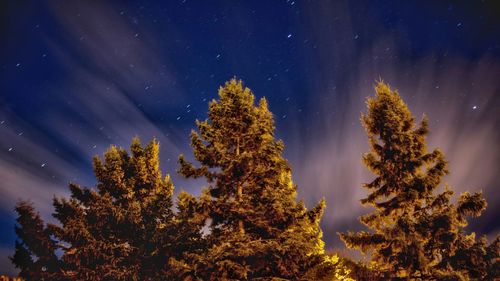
(459,96)
(461,104)
(115,79)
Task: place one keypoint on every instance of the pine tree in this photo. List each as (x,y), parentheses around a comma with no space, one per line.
(35,251)
(257,229)
(416,232)
(125,228)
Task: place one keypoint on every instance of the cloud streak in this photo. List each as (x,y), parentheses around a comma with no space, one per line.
(98,100)
(459,98)
(117,76)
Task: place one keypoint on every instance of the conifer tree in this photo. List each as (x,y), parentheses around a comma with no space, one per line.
(417,232)
(125,228)
(257,229)
(35,251)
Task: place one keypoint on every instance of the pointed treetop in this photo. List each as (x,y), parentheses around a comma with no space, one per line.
(387,113)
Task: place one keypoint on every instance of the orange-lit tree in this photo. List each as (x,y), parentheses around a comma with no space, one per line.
(417,232)
(124,229)
(257,229)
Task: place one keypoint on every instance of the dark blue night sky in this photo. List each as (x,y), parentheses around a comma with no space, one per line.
(77,76)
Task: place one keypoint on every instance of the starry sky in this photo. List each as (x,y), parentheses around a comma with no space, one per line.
(77,76)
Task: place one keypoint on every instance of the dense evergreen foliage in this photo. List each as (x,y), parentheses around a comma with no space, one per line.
(124,229)
(35,251)
(257,228)
(247,224)
(417,232)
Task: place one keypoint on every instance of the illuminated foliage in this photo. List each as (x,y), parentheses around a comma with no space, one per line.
(257,229)
(331,268)
(124,229)
(247,224)
(416,233)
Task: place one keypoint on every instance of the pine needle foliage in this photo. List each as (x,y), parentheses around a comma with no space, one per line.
(257,229)
(123,229)
(417,233)
(247,223)
(35,250)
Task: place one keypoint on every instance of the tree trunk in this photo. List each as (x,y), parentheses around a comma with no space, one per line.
(240,191)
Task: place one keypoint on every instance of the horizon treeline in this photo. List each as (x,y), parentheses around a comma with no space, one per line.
(248,224)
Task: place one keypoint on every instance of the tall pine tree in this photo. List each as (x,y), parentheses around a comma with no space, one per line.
(417,232)
(124,229)
(257,229)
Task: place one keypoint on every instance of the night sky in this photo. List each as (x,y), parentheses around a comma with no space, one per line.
(76,78)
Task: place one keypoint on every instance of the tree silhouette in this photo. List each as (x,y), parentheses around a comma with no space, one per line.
(35,252)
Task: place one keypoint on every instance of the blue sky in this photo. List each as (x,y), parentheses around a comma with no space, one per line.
(76,78)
